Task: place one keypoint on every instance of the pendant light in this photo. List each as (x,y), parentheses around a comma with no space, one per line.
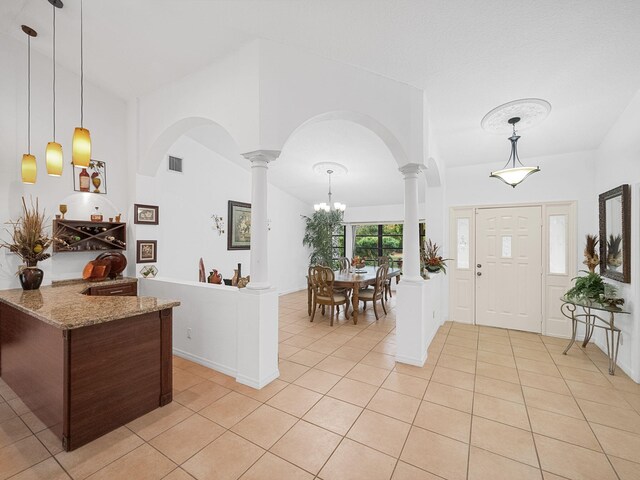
(81,144)
(53,154)
(515,174)
(29,167)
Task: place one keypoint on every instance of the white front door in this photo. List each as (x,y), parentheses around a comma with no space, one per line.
(509,268)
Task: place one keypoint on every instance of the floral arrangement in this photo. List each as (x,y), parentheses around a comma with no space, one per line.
(28,238)
(614,254)
(591,258)
(431,258)
(358,261)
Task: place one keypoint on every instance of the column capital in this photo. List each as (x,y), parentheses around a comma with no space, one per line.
(262,156)
(411,169)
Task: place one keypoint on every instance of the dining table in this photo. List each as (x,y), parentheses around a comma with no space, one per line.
(355,279)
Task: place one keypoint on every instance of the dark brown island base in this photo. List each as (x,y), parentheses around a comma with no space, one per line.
(86,358)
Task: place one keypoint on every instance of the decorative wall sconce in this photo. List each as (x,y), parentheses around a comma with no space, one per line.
(218,223)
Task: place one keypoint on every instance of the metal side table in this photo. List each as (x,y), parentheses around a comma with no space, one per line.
(592,321)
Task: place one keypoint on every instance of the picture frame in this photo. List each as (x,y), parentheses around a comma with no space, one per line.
(146,214)
(239,227)
(97,171)
(146,251)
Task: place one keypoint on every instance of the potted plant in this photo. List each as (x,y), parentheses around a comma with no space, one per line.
(614,254)
(318,236)
(589,287)
(30,242)
(431,259)
(591,258)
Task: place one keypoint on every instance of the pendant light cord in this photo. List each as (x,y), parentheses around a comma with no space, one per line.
(81,70)
(29,95)
(54,73)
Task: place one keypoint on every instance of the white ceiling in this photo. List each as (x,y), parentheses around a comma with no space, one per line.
(583,56)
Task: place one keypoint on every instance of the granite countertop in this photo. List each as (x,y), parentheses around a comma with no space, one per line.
(64,306)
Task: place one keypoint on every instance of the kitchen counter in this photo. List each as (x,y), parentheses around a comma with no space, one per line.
(65,306)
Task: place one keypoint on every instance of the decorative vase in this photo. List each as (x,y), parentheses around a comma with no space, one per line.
(215,277)
(432,269)
(234,279)
(31,278)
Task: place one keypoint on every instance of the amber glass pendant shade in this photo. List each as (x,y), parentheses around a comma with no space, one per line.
(29,169)
(53,156)
(81,147)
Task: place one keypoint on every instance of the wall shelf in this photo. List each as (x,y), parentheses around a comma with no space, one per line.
(87,236)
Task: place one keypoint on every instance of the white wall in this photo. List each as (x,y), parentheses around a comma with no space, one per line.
(105,117)
(186,231)
(617,163)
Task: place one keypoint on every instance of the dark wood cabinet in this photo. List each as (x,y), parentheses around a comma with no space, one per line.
(86,236)
(122,289)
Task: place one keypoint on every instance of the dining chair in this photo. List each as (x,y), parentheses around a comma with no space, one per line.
(377,292)
(387,283)
(309,290)
(322,279)
(345,263)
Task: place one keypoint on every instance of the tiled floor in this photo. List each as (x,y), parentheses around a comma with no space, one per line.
(489,404)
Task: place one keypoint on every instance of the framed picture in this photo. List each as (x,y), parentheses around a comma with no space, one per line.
(97,171)
(145,214)
(146,251)
(239,231)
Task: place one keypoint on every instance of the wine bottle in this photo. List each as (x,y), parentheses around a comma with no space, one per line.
(85,180)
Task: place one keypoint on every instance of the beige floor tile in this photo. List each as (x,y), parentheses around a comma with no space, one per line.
(143,463)
(424,372)
(300,341)
(307,446)
(323,346)
(336,365)
(484,465)
(230,409)
(552,476)
(368,374)
(264,426)
(13,430)
(436,454)
(350,353)
(198,369)
(453,378)
(449,396)
(621,418)
(33,423)
(406,384)
(561,427)
(504,440)
(226,458)
(201,395)
(603,395)
(353,391)
(497,372)
(457,363)
(46,470)
(463,352)
(385,347)
(295,400)
(541,368)
(544,382)
(500,359)
(263,394)
(6,412)
(584,376)
(18,406)
(618,443)
(503,411)
(287,351)
(404,471)
(271,467)
(307,357)
(159,420)
(499,389)
(363,343)
(396,405)
(461,341)
(444,420)
(552,402)
(21,455)
(571,461)
(352,461)
(90,458)
(380,360)
(334,415)
(178,474)
(380,432)
(503,347)
(50,440)
(632,399)
(182,379)
(626,470)
(187,438)
(318,380)
(220,378)
(290,371)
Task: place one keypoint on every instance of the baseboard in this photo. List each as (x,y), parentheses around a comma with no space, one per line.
(411,360)
(205,363)
(293,290)
(250,382)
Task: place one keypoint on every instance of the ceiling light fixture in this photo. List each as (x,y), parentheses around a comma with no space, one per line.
(81,144)
(327,207)
(29,166)
(514,175)
(53,154)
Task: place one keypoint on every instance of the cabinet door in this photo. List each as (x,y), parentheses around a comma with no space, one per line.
(127,289)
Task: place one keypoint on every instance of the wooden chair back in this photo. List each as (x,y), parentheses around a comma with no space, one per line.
(322,279)
(383,261)
(345,263)
(381,278)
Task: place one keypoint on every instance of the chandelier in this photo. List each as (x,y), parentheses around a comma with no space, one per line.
(327,207)
(515,174)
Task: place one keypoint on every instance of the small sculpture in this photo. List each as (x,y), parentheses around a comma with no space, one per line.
(591,258)
(215,277)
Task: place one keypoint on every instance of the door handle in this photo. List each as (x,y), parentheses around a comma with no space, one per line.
(479,266)
(479,274)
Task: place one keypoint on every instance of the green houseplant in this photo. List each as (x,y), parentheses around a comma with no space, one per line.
(589,287)
(318,235)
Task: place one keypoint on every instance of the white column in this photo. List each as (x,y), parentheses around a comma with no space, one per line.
(410,233)
(259,267)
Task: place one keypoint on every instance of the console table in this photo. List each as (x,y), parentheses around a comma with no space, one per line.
(589,315)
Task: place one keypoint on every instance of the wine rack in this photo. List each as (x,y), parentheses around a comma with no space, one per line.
(87,236)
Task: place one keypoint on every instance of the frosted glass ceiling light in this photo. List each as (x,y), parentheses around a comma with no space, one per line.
(29,166)
(53,154)
(81,143)
(516,174)
(327,207)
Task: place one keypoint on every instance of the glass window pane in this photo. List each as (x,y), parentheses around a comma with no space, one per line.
(392,229)
(462,260)
(506,246)
(367,230)
(558,244)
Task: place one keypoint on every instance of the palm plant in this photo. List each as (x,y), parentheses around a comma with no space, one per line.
(318,236)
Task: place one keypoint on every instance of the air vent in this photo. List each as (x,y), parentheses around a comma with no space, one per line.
(175,164)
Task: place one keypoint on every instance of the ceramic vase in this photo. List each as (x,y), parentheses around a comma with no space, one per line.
(31,278)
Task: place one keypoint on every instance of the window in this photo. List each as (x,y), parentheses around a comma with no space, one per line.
(462,243)
(338,241)
(558,244)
